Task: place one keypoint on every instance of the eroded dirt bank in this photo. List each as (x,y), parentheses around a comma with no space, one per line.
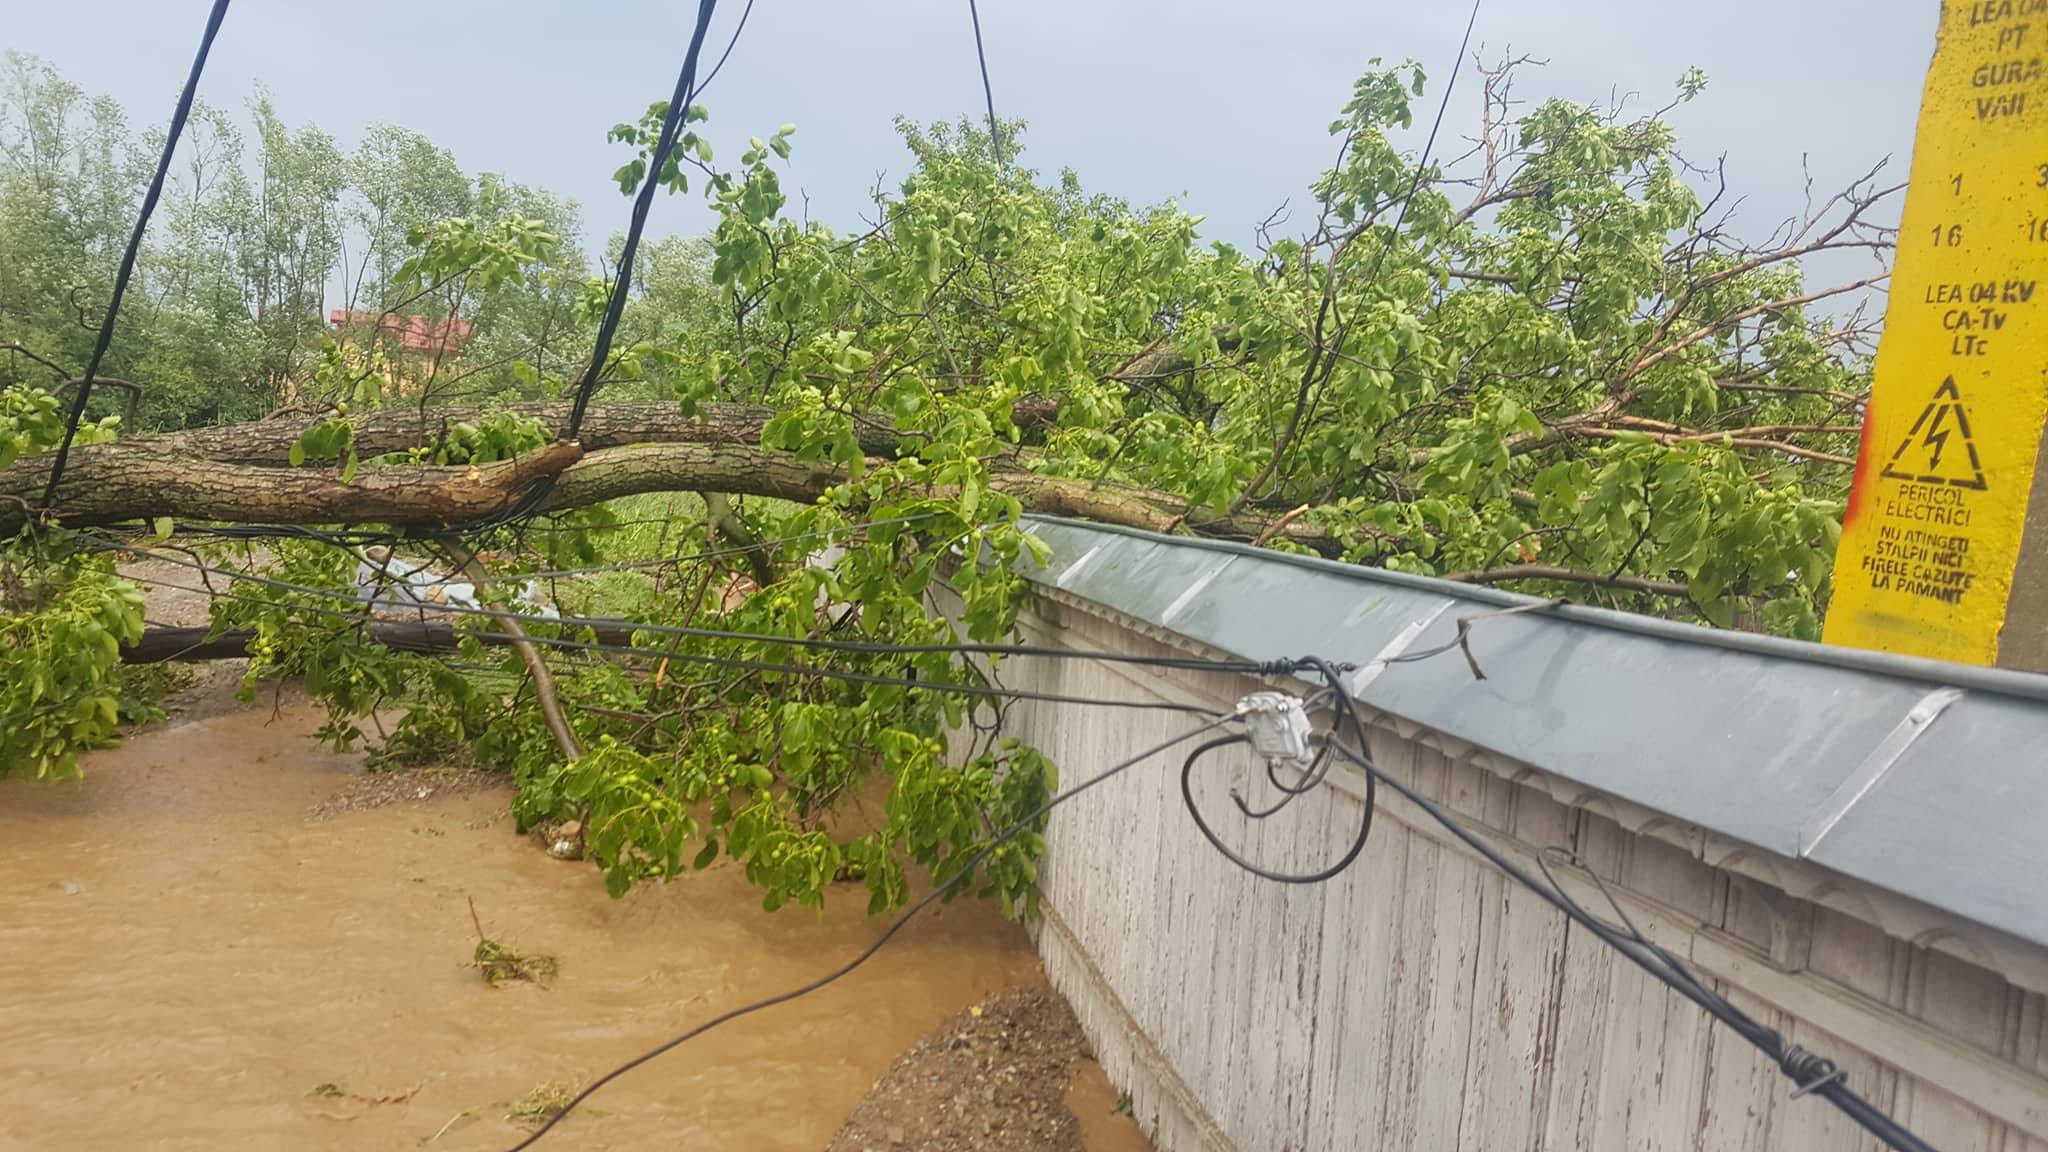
(1012,1073)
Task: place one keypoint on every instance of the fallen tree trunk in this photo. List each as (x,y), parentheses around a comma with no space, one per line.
(270,440)
(114,484)
(128,482)
(166,645)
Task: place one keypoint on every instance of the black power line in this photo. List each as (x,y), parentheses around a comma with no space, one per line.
(127,269)
(349,538)
(739,663)
(727,54)
(1312,778)
(1429,145)
(1813,1074)
(861,647)
(615,307)
(671,127)
(988,92)
(959,876)
(358,612)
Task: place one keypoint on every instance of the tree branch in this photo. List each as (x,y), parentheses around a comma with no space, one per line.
(727,523)
(543,681)
(20,349)
(1726,439)
(1649,360)
(119,482)
(130,481)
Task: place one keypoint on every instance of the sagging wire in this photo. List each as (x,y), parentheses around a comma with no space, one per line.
(988,92)
(1312,778)
(1462,640)
(615,307)
(727,54)
(333,537)
(127,268)
(356,538)
(1809,1073)
(817,643)
(671,128)
(767,667)
(720,552)
(356,612)
(961,874)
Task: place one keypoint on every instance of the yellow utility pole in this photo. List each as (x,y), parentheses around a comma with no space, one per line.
(1940,555)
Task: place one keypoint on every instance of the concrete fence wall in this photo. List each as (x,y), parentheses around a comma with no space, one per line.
(1424,1001)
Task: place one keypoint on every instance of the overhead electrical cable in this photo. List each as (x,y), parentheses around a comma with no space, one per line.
(657,165)
(1312,778)
(127,269)
(615,304)
(960,874)
(988,92)
(349,538)
(1811,1073)
(680,656)
(765,639)
(727,54)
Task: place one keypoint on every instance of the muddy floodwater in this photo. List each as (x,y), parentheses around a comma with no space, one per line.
(188,960)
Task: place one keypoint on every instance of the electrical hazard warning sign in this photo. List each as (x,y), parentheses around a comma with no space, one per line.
(1918,457)
(1953,428)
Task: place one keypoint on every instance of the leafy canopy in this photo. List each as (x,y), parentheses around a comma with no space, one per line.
(1549,364)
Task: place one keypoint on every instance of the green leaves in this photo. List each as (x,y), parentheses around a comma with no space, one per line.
(485,254)
(497,436)
(634,827)
(32,422)
(327,440)
(630,174)
(61,689)
(1529,366)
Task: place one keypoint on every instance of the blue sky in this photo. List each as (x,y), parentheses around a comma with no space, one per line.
(1221,105)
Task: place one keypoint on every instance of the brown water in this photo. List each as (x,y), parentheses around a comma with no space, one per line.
(1105,1127)
(185,960)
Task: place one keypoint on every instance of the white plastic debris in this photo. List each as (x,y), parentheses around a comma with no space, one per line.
(393,582)
(827,559)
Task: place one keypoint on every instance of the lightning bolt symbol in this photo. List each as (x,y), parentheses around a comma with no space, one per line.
(1937,438)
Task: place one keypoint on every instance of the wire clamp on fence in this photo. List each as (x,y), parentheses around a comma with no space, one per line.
(1810,1071)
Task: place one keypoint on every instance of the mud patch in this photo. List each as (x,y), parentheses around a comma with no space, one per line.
(373,790)
(998,1077)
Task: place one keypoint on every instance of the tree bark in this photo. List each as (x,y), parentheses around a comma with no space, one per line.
(116,482)
(135,481)
(269,441)
(536,668)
